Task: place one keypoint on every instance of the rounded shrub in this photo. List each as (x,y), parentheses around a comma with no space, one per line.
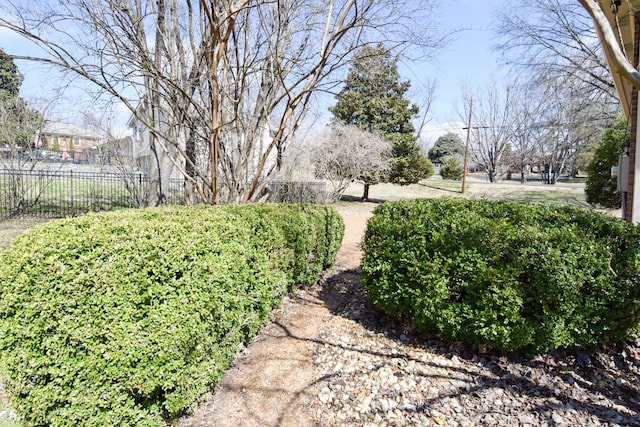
(452,169)
(128,318)
(512,276)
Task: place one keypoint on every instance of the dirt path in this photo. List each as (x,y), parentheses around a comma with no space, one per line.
(272,381)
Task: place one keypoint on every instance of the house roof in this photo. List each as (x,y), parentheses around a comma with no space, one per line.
(59,128)
(140,110)
(621,19)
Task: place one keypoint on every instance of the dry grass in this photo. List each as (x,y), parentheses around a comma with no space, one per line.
(563,193)
(9,229)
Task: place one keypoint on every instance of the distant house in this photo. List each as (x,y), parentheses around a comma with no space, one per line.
(138,146)
(157,165)
(129,153)
(67,141)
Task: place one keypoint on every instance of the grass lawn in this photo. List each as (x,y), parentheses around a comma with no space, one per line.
(563,193)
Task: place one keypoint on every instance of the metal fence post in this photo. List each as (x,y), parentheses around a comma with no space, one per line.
(72,206)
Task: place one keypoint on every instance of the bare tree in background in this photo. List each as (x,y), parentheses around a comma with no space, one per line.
(221,86)
(491,129)
(118,153)
(426,92)
(19,128)
(553,44)
(556,40)
(21,185)
(569,123)
(347,154)
(545,123)
(527,106)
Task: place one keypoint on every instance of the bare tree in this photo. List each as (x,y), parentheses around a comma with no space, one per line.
(221,86)
(568,126)
(491,129)
(19,126)
(347,154)
(22,185)
(554,44)
(426,93)
(555,39)
(527,106)
(545,123)
(119,153)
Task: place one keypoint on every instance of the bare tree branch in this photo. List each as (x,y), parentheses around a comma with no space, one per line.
(220,86)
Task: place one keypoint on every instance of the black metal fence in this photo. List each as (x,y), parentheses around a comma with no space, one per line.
(46,193)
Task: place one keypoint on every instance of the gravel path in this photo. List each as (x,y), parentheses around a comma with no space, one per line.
(328,359)
(379,374)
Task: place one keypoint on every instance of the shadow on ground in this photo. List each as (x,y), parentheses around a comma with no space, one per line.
(347,198)
(604,383)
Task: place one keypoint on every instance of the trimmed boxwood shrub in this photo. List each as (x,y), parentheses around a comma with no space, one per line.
(513,276)
(128,318)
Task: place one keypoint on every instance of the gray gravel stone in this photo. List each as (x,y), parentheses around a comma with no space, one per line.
(389,377)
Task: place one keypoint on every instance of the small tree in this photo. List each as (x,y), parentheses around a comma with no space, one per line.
(10,77)
(491,132)
(349,154)
(408,164)
(452,169)
(601,186)
(373,99)
(449,144)
(19,125)
(18,122)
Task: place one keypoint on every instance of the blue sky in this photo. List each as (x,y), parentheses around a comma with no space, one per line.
(467,60)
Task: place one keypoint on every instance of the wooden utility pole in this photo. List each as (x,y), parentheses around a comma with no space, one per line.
(466,148)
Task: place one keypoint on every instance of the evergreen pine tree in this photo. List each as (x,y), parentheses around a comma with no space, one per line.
(452,169)
(373,99)
(447,145)
(10,77)
(18,122)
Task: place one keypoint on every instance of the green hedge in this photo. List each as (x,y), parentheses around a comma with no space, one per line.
(128,318)
(515,277)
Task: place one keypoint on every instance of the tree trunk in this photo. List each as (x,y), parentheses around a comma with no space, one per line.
(365,196)
(214,67)
(190,170)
